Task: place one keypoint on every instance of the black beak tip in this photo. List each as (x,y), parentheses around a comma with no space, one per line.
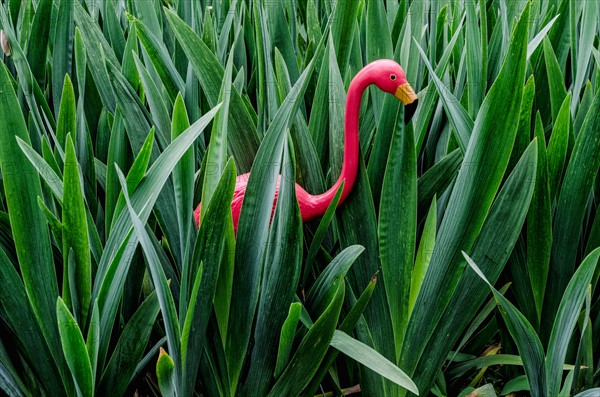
(409,111)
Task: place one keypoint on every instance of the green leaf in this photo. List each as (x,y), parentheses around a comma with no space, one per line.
(95,43)
(462,123)
(62,53)
(37,45)
(558,92)
(75,235)
(320,293)
(286,338)
(566,320)
(426,246)
(29,228)
(74,350)
(121,244)
(397,232)
(281,267)
(161,60)
(558,146)
(92,342)
(19,317)
(491,251)
(371,359)
(183,176)
(129,349)
(528,343)
(210,251)
(217,149)
(539,223)
(165,374)
(312,349)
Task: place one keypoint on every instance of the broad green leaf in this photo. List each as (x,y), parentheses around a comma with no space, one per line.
(426,246)
(62,53)
(75,236)
(320,293)
(210,251)
(74,350)
(17,312)
(183,176)
(558,146)
(539,223)
(500,230)
(286,338)
(29,228)
(397,228)
(165,373)
(37,45)
(312,349)
(217,149)
(161,60)
(556,82)
(462,124)
(281,266)
(371,359)
(120,245)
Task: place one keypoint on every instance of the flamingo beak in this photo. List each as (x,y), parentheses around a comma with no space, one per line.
(407,95)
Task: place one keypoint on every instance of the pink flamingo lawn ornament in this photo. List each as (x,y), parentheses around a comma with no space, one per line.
(389,77)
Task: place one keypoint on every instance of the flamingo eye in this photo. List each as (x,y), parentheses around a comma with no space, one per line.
(393,77)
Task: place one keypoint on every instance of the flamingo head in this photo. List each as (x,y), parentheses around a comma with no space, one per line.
(389,77)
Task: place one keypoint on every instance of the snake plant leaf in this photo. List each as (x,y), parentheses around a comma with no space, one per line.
(62,54)
(558,92)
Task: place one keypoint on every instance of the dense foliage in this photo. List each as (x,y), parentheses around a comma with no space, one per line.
(464,260)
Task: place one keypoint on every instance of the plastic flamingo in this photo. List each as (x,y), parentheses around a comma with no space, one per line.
(389,77)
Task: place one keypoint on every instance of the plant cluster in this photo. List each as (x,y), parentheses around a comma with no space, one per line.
(464,261)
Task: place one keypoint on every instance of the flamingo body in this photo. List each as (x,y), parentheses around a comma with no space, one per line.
(389,77)
(309,208)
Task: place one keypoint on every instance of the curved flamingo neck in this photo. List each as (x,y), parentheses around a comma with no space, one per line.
(351,141)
